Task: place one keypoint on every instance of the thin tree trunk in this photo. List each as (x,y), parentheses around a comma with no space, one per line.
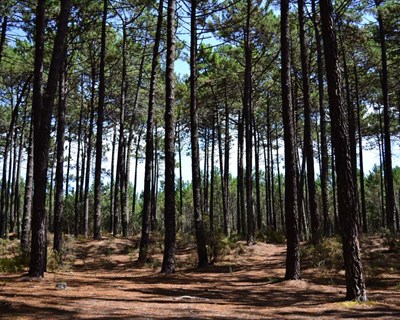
(3,35)
(308,142)
(240,185)
(78,160)
(360,151)
(180,215)
(389,200)
(324,171)
(271,161)
(257,176)
(139,139)
(89,154)
(226,165)
(59,200)
(212,173)
(17,189)
(281,210)
(26,215)
(149,162)
(4,189)
(68,165)
(114,187)
(206,171)
(291,208)
(247,117)
(99,135)
(221,171)
(194,138)
(351,126)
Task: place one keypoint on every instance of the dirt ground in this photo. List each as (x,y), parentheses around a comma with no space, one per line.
(101,280)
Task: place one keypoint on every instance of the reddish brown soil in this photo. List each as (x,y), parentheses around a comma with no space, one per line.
(103,282)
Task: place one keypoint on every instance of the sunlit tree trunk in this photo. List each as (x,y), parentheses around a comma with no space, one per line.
(42,112)
(194,139)
(308,142)
(324,170)
(99,134)
(149,153)
(169,261)
(347,200)
(291,208)
(247,117)
(389,200)
(59,199)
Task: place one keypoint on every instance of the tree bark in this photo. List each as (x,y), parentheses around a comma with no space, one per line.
(27,212)
(247,117)
(308,142)
(99,134)
(194,138)
(169,261)
(360,151)
(324,171)
(291,208)
(85,223)
(59,200)
(42,112)
(390,199)
(3,35)
(149,162)
(347,200)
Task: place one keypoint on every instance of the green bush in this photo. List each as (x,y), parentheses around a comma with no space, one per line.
(15,264)
(218,245)
(392,242)
(269,235)
(326,254)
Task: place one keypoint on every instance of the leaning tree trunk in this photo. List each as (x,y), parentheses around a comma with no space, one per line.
(42,112)
(169,261)
(347,200)
(308,142)
(291,208)
(149,162)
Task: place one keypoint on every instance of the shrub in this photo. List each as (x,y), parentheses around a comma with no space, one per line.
(327,254)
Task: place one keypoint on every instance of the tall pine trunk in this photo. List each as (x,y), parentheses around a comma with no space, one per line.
(42,112)
(99,137)
(291,208)
(308,142)
(347,200)
(389,200)
(149,161)
(59,200)
(169,261)
(324,170)
(194,138)
(247,117)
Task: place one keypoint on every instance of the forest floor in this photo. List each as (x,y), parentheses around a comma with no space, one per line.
(101,280)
